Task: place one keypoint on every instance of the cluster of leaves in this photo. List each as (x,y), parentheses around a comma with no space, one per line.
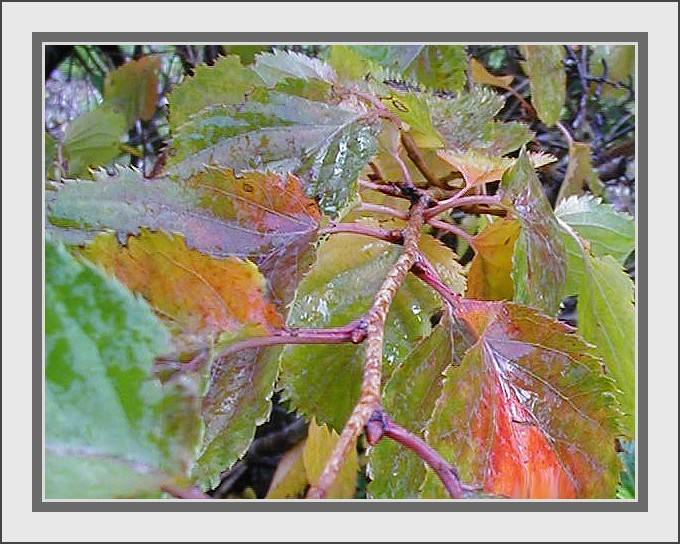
(160,292)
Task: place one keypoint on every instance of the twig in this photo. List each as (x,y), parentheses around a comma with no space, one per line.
(369,400)
(192,493)
(423,269)
(416,158)
(385,210)
(457,202)
(394,236)
(354,333)
(389,189)
(381,425)
(453,229)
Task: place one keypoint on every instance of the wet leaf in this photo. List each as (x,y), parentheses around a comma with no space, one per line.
(413,111)
(466,123)
(607,231)
(280,65)
(393,57)
(539,268)
(529,413)
(409,397)
(580,173)
(262,216)
(200,297)
(107,421)
(490,277)
(226,82)
(318,447)
(92,140)
(237,401)
(482,76)
(324,380)
(606,316)
(547,79)
(132,89)
(325,145)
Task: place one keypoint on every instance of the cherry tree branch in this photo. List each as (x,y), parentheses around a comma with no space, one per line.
(354,332)
(394,236)
(416,157)
(453,229)
(458,201)
(369,399)
(384,210)
(381,425)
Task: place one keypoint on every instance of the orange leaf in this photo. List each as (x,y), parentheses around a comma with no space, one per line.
(200,296)
(477,167)
(489,277)
(529,413)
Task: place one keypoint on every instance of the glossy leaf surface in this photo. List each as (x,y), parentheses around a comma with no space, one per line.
(529,412)
(107,421)
(539,269)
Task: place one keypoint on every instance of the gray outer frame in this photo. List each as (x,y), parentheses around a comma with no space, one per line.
(638,505)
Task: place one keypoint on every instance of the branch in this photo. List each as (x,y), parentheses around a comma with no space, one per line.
(394,236)
(423,269)
(417,159)
(453,229)
(354,333)
(381,425)
(386,210)
(459,201)
(369,400)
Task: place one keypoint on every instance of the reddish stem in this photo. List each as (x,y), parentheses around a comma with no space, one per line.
(426,272)
(385,210)
(355,333)
(393,236)
(448,227)
(457,202)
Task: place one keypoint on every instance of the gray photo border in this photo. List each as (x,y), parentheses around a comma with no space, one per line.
(638,505)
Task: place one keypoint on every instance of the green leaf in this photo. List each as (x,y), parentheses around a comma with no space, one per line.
(466,122)
(620,61)
(607,231)
(349,64)
(105,415)
(393,57)
(246,53)
(132,89)
(226,82)
(325,145)
(323,381)
(539,262)
(50,155)
(414,111)
(547,80)
(238,399)
(606,316)
(529,413)
(409,397)
(93,139)
(280,65)
(262,216)
(626,489)
(440,67)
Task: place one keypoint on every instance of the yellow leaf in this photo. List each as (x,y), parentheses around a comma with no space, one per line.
(318,447)
(477,168)
(482,76)
(489,277)
(290,478)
